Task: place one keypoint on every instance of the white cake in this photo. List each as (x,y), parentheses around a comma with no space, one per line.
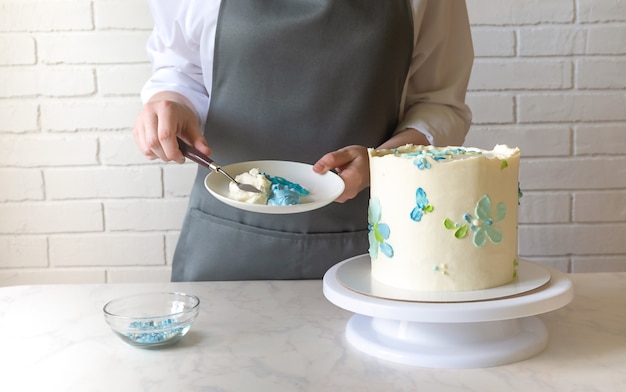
(444,219)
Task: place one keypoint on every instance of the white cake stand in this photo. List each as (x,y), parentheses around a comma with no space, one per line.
(474,334)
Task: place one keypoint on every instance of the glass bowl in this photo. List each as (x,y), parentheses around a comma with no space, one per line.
(152,320)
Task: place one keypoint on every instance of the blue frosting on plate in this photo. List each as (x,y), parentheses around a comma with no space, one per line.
(284,192)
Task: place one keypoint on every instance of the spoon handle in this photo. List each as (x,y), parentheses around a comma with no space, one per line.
(201,159)
(196,155)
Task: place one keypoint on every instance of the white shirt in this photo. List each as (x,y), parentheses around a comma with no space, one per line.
(433,102)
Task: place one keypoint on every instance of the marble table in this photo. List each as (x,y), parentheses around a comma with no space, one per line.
(283,336)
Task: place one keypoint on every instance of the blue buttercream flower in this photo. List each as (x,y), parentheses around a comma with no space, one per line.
(377,232)
(422,163)
(483,223)
(421,205)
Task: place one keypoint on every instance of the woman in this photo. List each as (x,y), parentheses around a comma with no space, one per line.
(314,81)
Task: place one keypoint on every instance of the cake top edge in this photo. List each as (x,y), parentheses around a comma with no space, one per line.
(500,151)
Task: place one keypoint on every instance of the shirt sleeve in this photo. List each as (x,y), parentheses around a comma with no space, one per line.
(174,51)
(434,100)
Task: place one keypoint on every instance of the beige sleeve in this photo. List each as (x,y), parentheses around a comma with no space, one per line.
(434,98)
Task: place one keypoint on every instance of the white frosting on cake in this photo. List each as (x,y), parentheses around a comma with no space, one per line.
(444,219)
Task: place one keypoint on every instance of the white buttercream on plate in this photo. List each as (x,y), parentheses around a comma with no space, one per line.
(257,180)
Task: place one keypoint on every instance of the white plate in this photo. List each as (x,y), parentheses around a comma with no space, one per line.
(324,188)
(355,274)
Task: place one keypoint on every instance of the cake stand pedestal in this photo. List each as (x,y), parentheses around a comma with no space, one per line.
(473,334)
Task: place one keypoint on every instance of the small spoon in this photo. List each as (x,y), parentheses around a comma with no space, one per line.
(201,159)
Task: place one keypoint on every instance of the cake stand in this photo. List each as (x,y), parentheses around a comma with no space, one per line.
(492,331)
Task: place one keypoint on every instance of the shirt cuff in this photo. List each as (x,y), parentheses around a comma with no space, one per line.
(166,79)
(442,125)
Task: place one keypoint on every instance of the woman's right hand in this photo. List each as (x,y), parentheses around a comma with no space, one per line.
(164,117)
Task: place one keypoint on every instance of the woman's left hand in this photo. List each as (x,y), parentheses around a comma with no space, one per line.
(351,164)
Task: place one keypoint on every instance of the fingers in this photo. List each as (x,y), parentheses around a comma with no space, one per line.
(324,164)
(144,120)
(158,125)
(335,160)
(351,164)
(354,182)
(164,143)
(198,141)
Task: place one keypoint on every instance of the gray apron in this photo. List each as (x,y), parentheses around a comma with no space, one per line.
(293,80)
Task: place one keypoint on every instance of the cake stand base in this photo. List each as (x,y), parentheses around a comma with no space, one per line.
(448,345)
(474,334)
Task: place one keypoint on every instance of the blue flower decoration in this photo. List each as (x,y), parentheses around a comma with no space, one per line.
(378,232)
(421,205)
(483,223)
(422,163)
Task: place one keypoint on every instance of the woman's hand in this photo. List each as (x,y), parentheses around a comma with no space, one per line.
(165,116)
(352,165)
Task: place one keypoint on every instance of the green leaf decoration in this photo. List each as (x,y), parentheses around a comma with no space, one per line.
(461,232)
(503,165)
(429,208)
(379,237)
(449,224)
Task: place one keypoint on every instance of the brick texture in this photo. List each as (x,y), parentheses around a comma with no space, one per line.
(53,82)
(107,249)
(18,116)
(17,50)
(80,204)
(48,217)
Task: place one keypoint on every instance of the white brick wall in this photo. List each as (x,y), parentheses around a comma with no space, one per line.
(80,204)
